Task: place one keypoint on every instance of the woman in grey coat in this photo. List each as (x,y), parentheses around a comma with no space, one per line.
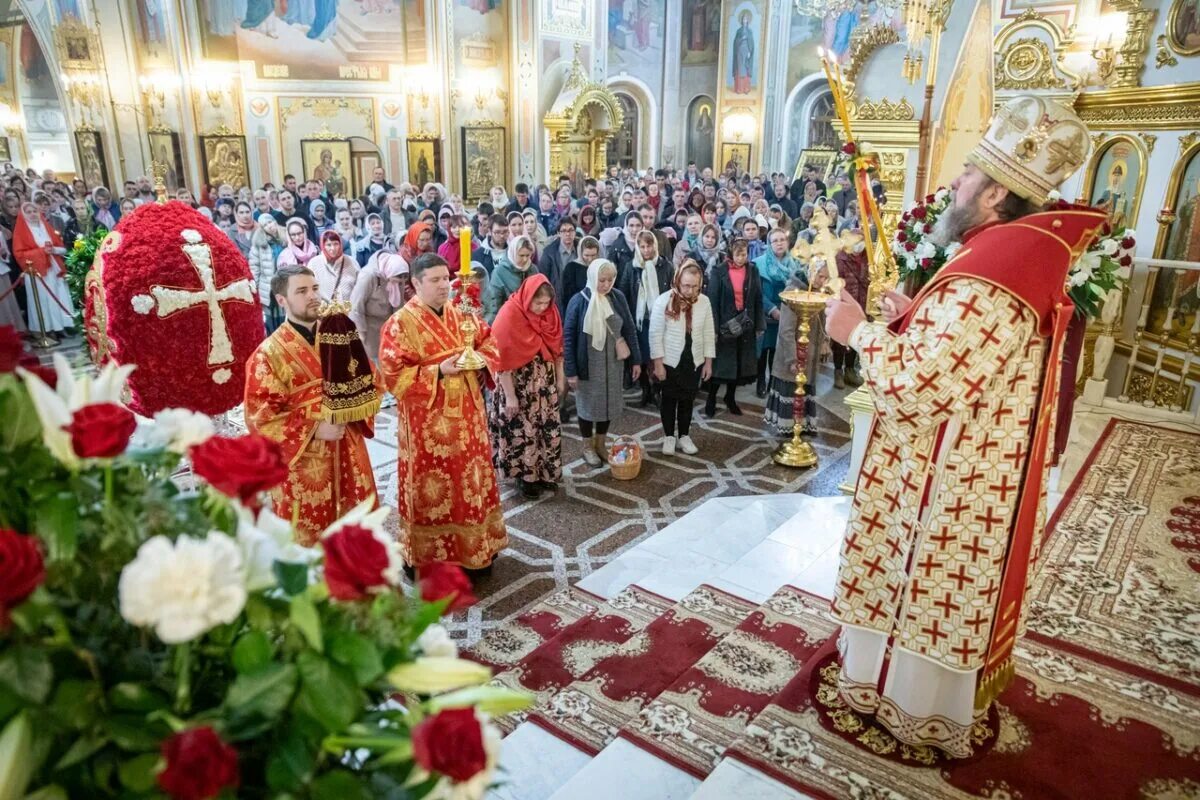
(598,336)
(266,244)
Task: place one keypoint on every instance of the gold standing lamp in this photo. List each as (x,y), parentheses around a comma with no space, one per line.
(797,452)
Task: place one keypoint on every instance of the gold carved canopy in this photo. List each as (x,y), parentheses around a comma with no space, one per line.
(582,120)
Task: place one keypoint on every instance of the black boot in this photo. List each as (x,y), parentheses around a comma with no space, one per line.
(710,405)
(731,400)
(529,490)
(760,388)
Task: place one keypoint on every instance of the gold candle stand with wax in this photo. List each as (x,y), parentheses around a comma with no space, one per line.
(882,273)
(796,452)
(469,359)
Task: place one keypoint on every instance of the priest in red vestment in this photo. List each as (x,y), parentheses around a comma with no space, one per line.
(329,469)
(949,508)
(448,500)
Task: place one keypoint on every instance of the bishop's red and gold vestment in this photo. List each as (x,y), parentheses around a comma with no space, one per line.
(949,508)
(448,500)
(283,403)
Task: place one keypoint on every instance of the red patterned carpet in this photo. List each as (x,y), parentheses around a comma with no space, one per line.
(1118,575)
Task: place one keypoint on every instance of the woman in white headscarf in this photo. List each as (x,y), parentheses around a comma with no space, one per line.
(507,276)
(598,336)
(648,276)
(38,249)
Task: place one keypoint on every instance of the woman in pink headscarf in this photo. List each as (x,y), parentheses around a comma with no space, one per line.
(299,249)
(383,286)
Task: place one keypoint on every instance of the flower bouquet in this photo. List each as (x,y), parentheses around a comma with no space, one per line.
(159,641)
(917,257)
(79,260)
(1104,266)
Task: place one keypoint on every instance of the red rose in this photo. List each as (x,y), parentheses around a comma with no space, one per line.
(919,212)
(101,430)
(1126,261)
(450,743)
(1105,230)
(440,580)
(31,363)
(199,765)
(928,199)
(1128,243)
(910,246)
(901,236)
(240,467)
(11,348)
(849,148)
(21,570)
(926,263)
(355,562)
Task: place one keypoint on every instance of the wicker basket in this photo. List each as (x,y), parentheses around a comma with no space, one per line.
(628,469)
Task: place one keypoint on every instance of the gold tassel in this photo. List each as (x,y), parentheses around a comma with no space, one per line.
(993,684)
(344,416)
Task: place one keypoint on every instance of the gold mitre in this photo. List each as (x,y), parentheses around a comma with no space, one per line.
(1032,146)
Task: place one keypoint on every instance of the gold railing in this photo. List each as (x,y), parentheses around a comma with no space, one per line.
(1161,340)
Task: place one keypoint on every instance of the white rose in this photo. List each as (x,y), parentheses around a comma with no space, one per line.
(184,588)
(265,540)
(952,248)
(178,429)
(940,195)
(1108,246)
(925,249)
(435,642)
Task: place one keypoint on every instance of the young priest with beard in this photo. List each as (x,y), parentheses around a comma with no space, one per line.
(329,470)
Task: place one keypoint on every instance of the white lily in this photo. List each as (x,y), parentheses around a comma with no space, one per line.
(264,540)
(179,429)
(1081,273)
(362,514)
(1108,246)
(55,407)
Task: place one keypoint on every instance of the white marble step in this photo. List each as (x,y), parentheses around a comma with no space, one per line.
(733,779)
(748,546)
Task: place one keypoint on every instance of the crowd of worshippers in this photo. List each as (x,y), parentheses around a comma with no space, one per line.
(660,279)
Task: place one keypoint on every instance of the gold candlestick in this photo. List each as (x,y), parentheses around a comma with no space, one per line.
(469,359)
(796,452)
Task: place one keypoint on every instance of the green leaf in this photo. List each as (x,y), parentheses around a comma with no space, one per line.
(340,784)
(26,671)
(83,748)
(49,793)
(140,772)
(131,732)
(292,578)
(56,521)
(252,652)
(328,693)
(256,701)
(75,703)
(358,653)
(21,424)
(259,614)
(136,697)
(291,764)
(304,616)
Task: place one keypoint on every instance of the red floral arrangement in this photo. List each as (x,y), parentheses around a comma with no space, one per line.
(171,352)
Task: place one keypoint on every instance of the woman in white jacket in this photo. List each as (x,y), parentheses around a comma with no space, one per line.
(683,343)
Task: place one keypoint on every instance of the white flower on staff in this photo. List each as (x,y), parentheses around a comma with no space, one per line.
(184,588)
(264,540)
(1054,195)
(55,407)
(179,429)
(926,249)
(435,641)
(1082,272)
(940,195)
(1108,246)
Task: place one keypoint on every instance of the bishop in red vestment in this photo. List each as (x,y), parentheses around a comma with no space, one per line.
(949,508)
(329,468)
(448,500)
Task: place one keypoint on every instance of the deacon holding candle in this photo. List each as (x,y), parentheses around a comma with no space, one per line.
(447,498)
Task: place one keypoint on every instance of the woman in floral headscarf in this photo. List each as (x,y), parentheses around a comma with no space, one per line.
(524,418)
(382,287)
(417,241)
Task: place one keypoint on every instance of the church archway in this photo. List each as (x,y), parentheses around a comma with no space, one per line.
(365,156)
(809,120)
(700,131)
(623,147)
(820,116)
